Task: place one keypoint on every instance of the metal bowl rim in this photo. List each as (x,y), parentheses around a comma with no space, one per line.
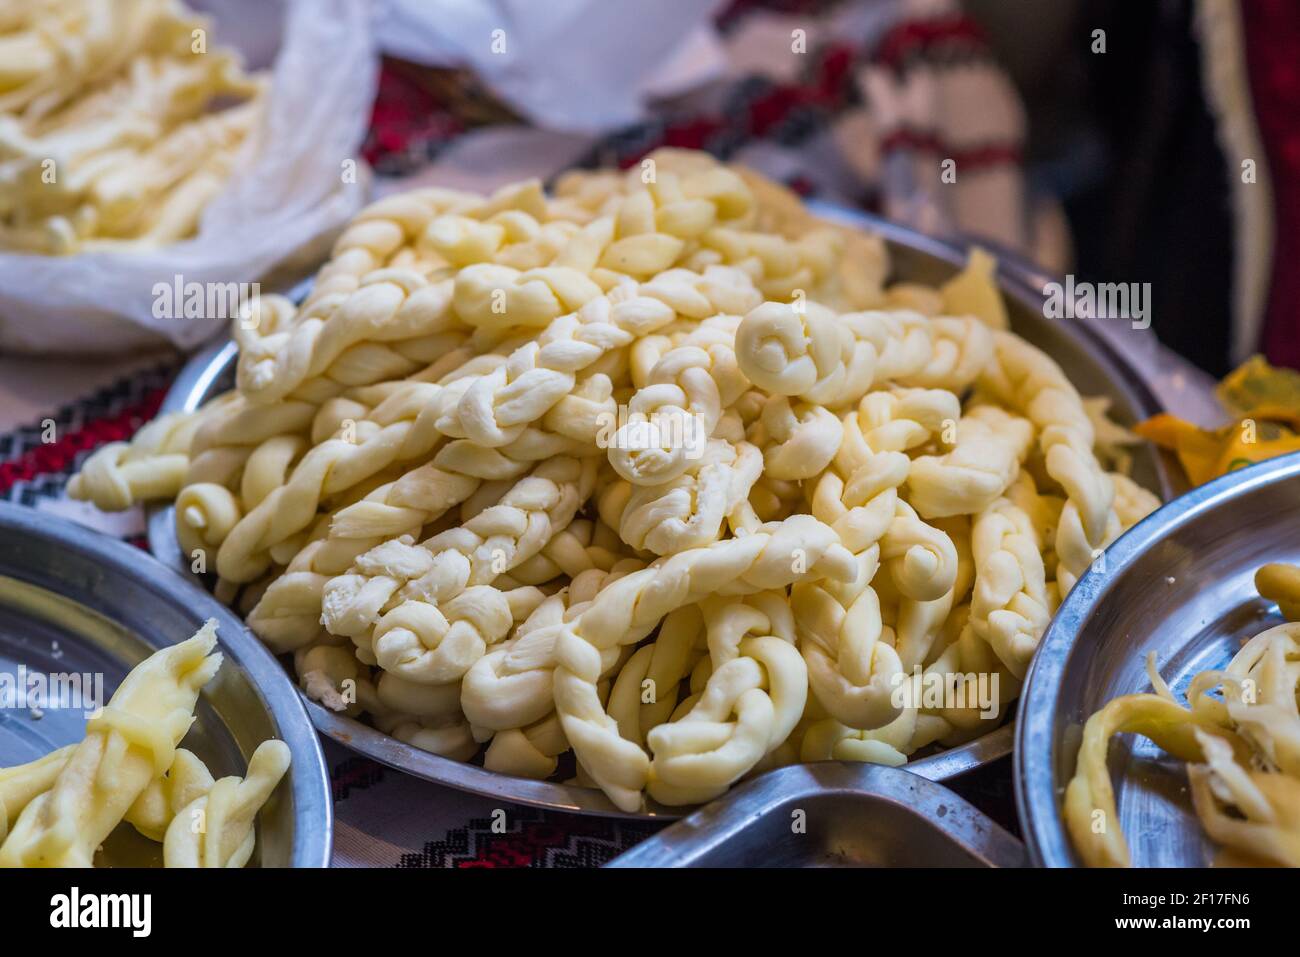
(1037,801)
(309,777)
(387,750)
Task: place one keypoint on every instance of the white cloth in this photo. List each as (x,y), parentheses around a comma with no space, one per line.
(580,65)
(278,212)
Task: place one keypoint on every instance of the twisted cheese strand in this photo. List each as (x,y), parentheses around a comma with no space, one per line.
(582,546)
(21,784)
(961,348)
(398,575)
(52,50)
(922,560)
(115,96)
(512,685)
(490,410)
(798,441)
(152,812)
(529,752)
(990,446)
(216,829)
(758,677)
(288,613)
(162,801)
(395,232)
(774,556)
(151,466)
(1010,607)
(279,351)
(497,407)
(851,657)
(1241,749)
(132,740)
(1031,383)
(655,672)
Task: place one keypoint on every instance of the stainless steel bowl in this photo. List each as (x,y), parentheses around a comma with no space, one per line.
(1094,367)
(832,815)
(73,601)
(1180,583)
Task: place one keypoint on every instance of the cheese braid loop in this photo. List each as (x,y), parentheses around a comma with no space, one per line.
(679,405)
(151,466)
(645,694)
(990,445)
(826,359)
(798,441)
(771,557)
(692,509)
(512,686)
(758,678)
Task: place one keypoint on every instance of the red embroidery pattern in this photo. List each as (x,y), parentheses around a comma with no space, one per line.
(61,455)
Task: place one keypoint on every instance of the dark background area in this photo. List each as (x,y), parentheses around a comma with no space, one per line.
(1126,141)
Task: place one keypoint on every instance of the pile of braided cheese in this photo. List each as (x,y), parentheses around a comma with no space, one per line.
(117,124)
(58,810)
(451,483)
(1241,745)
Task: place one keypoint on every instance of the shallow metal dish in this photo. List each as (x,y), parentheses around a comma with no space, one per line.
(832,815)
(1091,364)
(75,601)
(1180,583)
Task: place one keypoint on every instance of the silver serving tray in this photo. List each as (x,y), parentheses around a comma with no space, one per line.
(832,815)
(1092,365)
(74,601)
(1180,583)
